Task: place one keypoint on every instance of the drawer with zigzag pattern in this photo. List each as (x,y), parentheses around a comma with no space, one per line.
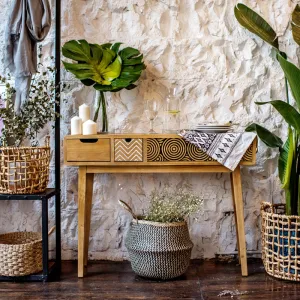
(128,149)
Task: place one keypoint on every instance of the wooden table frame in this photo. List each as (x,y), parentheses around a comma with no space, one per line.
(75,156)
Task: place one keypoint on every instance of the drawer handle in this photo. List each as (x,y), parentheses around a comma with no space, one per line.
(128,140)
(89,141)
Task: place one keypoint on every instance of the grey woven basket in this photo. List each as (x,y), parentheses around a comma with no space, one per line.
(159,250)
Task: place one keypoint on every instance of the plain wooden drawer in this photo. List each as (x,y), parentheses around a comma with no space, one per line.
(88,150)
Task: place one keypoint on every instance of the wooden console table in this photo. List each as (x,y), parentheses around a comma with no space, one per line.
(144,153)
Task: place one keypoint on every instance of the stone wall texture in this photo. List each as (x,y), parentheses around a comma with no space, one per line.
(220,70)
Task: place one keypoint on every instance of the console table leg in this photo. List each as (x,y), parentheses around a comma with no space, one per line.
(239,212)
(88,201)
(82,189)
(235,218)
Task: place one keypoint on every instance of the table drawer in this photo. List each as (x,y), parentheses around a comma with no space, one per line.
(128,149)
(88,150)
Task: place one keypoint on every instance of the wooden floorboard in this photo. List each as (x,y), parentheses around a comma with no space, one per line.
(115,280)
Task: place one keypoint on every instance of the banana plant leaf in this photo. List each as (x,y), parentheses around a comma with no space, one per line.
(292,73)
(285,160)
(288,112)
(296,24)
(269,138)
(255,24)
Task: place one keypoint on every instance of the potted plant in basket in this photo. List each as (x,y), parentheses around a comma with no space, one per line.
(25,170)
(158,243)
(280,223)
(105,67)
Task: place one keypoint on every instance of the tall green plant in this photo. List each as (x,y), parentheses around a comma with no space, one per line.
(289,152)
(105,67)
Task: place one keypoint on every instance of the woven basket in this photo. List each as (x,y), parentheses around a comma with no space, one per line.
(24,170)
(21,253)
(280,242)
(159,250)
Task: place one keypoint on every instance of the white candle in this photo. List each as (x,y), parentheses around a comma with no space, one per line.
(76,125)
(89,127)
(84,112)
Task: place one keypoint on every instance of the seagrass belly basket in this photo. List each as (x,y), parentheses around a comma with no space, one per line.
(159,250)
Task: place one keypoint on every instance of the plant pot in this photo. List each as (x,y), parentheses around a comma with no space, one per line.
(159,250)
(280,242)
(24,170)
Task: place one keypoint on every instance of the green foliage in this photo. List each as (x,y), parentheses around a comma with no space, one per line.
(289,152)
(269,138)
(287,111)
(292,73)
(105,67)
(256,24)
(296,24)
(169,206)
(38,110)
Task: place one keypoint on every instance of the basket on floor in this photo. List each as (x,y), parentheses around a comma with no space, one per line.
(21,253)
(280,242)
(24,170)
(159,250)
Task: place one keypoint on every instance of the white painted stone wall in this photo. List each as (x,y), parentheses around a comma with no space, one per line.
(220,70)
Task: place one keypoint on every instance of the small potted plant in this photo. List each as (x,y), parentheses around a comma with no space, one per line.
(158,243)
(106,68)
(25,169)
(280,223)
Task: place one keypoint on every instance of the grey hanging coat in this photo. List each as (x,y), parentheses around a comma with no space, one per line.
(29,23)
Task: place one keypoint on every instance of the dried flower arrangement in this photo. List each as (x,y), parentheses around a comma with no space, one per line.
(168,205)
(37,111)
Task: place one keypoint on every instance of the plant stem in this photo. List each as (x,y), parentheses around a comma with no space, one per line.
(104,113)
(96,115)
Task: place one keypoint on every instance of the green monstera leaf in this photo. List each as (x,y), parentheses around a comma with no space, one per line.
(132,67)
(94,63)
(105,67)
(256,24)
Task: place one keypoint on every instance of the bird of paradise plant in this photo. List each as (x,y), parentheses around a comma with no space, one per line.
(105,67)
(289,151)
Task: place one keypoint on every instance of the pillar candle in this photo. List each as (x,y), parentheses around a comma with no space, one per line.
(84,112)
(89,127)
(76,125)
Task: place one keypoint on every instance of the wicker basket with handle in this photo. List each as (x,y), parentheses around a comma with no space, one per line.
(24,170)
(280,242)
(158,250)
(21,253)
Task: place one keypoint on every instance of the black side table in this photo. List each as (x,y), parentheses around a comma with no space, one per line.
(51,270)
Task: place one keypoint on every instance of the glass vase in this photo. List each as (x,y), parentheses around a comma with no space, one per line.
(101,106)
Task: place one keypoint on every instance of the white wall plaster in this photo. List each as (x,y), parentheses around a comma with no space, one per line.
(220,70)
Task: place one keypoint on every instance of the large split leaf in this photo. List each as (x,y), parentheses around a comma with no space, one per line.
(269,138)
(132,67)
(292,73)
(255,24)
(101,65)
(105,67)
(296,24)
(288,112)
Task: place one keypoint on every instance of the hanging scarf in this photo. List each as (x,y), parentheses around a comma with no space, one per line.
(28,23)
